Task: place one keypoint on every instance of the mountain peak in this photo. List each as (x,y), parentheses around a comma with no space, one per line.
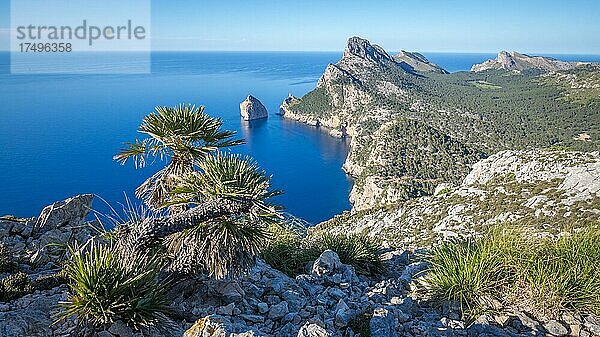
(362,48)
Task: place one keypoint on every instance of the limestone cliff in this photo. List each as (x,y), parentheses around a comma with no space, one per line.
(413,127)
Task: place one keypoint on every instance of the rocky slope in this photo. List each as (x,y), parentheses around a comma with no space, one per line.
(413,129)
(37,247)
(518,62)
(543,190)
(417,62)
(330,299)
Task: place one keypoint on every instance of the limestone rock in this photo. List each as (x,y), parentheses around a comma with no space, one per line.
(312,330)
(556,329)
(382,324)
(252,109)
(70,212)
(285,105)
(279,310)
(327,263)
(219,326)
(365,50)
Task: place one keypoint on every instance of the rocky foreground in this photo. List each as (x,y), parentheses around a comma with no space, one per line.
(331,299)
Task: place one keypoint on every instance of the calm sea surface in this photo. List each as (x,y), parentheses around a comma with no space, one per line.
(58,133)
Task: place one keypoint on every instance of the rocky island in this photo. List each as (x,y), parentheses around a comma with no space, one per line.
(251,108)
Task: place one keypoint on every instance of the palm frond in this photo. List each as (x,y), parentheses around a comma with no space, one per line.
(227,176)
(183,134)
(221,248)
(138,151)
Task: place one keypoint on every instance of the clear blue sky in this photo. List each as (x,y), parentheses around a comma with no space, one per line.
(423,25)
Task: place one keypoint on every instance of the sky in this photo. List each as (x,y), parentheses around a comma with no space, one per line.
(530,26)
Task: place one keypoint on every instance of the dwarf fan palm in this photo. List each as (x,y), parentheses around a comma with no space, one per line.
(226,245)
(182,135)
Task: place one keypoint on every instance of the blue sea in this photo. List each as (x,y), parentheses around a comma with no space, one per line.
(58,133)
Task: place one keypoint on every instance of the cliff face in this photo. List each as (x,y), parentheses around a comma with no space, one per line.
(546,191)
(413,126)
(518,62)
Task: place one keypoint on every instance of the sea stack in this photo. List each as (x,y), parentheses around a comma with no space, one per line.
(252,109)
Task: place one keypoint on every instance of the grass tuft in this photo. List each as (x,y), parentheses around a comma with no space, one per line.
(508,267)
(291,253)
(105,288)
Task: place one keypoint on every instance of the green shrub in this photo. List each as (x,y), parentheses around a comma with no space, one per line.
(291,253)
(105,288)
(287,252)
(357,250)
(15,286)
(507,266)
(7,263)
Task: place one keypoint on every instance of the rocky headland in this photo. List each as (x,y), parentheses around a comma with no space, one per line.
(413,126)
(413,61)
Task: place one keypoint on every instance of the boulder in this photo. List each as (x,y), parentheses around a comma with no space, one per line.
(326,264)
(252,109)
(312,330)
(278,311)
(555,328)
(67,213)
(343,314)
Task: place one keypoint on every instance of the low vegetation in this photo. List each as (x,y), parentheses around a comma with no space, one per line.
(507,267)
(293,253)
(7,263)
(106,288)
(14,286)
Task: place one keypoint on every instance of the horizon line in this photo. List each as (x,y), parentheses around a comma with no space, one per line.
(328,51)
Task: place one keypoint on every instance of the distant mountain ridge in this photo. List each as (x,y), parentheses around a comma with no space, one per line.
(518,62)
